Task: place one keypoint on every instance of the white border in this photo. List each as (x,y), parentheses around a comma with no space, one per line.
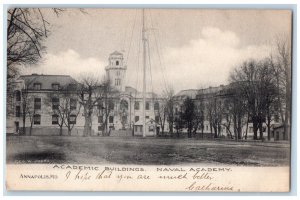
(148,3)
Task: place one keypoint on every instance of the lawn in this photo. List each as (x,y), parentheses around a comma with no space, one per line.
(139,151)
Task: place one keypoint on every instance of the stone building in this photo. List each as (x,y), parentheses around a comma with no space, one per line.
(218,94)
(126,104)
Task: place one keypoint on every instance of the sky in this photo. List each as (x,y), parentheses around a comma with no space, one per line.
(186,48)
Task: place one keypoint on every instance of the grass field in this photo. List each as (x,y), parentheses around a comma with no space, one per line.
(152,151)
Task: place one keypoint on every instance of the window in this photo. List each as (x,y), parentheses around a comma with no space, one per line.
(136,105)
(73,104)
(147,117)
(207,127)
(123,105)
(72,86)
(151,128)
(100,128)
(18,111)
(118,73)
(157,119)
(250,129)
(18,95)
(156,106)
(147,105)
(117,81)
(117,62)
(136,118)
(100,105)
(37,103)
(37,86)
(55,103)
(37,119)
(111,119)
(111,106)
(54,119)
(55,86)
(276,118)
(176,110)
(100,119)
(72,119)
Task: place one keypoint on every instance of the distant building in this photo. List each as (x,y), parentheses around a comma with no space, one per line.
(221,93)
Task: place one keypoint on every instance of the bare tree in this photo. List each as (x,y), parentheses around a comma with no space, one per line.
(26,30)
(281,61)
(63,103)
(89,93)
(255,87)
(188,114)
(27,106)
(161,113)
(170,106)
(106,101)
(270,96)
(228,109)
(123,112)
(28,110)
(246,76)
(178,122)
(198,121)
(209,113)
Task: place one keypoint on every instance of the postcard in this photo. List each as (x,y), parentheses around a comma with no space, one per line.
(144,99)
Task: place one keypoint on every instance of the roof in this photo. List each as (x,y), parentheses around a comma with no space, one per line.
(47,80)
(192,93)
(116,53)
(188,93)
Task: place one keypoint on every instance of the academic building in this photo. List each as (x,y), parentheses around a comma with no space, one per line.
(32,95)
(126,104)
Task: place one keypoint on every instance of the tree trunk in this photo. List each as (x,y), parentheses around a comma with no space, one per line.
(211,131)
(87,123)
(30,129)
(60,130)
(246,135)
(239,127)
(235,127)
(69,131)
(269,127)
(171,127)
(254,121)
(261,136)
(24,127)
(216,132)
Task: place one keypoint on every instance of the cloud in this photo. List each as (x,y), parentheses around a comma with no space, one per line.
(206,61)
(68,63)
(209,59)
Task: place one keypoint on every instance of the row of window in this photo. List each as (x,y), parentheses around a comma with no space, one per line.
(73,105)
(147,107)
(117,63)
(124,105)
(55,118)
(136,118)
(117,82)
(55,103)
(38,86)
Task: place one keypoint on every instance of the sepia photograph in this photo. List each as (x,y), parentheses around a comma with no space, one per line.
(148,99)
